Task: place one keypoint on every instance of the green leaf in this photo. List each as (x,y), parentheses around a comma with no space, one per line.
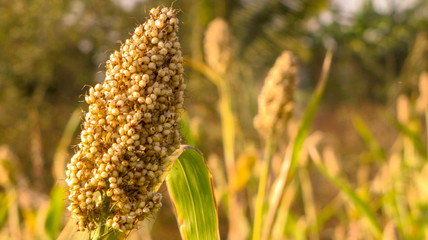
(409,133)
(190,186)
(53,222)
(4,209)
(185,130)
(353,197)
(369,139)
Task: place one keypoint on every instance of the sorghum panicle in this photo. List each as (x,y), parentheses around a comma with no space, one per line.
(130,128)
(276,98)
(218,45)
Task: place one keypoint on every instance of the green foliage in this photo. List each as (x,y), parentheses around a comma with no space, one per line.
(53,222)
(361,206)
(369,139)
(410,134)
(190,186)
(376,48)
(263,28)
(4,203)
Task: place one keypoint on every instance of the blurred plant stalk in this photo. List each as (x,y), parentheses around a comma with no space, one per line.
(275,109)
(292,155)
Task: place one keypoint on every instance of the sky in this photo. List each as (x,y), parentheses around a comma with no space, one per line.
(350,7)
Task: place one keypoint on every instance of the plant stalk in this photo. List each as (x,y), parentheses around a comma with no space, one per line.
(426,127)
(228,137)
(292,155)
(268,153)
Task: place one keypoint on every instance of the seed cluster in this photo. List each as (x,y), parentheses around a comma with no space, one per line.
(130,128)
(276,98)
(218,45)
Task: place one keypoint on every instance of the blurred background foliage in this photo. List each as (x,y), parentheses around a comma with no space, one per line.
(49,51)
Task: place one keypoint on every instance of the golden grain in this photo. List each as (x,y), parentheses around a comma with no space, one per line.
(276,98)
(122,137)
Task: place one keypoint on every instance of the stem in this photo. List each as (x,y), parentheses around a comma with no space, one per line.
(102,231)
(308,203)
(228,130)
(291,157)
(426,126)
(228,137)
(268,152)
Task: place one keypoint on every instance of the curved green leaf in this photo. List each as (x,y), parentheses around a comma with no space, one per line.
(368,138)
(353,197)
(190,186)
(53,221)
(4,209)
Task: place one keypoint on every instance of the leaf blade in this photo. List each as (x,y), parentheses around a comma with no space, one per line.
(345,188)
(191,189)
(53,221)
(369,139)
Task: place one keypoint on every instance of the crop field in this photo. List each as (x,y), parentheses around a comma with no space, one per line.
(214,119)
